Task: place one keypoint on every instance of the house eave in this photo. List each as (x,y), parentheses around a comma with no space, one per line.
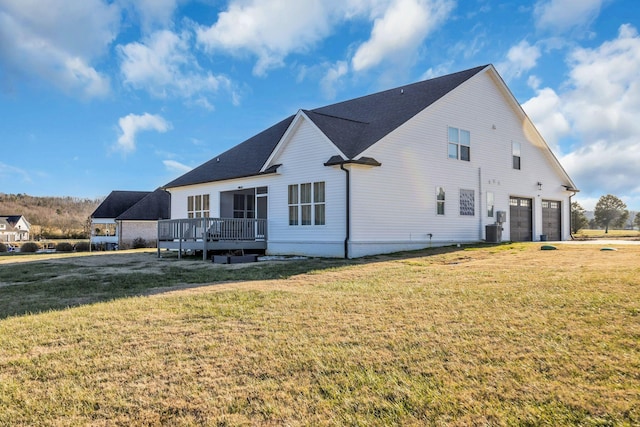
(365,161)
(271,170)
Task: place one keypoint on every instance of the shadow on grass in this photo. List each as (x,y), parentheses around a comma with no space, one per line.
(56,284)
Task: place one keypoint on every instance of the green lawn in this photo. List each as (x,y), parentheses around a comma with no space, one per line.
(484,335)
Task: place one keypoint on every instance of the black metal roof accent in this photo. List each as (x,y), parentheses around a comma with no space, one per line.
(367,161)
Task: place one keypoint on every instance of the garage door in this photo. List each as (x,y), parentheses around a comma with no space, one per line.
(551,215)
(520,219)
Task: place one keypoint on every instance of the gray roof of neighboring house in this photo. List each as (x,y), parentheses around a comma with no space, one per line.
(353,126)
(153,206)
(12,220)
(117,202)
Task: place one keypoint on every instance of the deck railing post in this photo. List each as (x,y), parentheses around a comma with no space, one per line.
(179,239)
(204,239)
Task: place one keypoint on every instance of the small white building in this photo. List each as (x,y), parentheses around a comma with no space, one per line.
(14,228)
(426,164)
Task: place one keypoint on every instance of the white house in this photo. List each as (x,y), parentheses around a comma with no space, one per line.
(14,228)
(426,164)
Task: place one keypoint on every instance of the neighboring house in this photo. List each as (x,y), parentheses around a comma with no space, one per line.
(14,228)
(426,164)
(128,215)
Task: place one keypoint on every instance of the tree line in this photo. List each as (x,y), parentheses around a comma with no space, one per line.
(52,217)
(610,212)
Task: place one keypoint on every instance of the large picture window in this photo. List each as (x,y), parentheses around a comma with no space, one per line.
(198,206)
(459,144)
(307,204)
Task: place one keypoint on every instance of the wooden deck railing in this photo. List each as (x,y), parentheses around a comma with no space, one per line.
(212,233)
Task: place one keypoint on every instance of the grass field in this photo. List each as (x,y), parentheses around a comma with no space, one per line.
(486,335)
(612,234)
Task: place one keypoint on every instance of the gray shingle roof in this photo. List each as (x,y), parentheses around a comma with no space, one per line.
(353,126)
(153,206)
(117,202)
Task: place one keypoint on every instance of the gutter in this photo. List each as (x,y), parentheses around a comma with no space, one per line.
(574,191)
(348,211)
(339,161)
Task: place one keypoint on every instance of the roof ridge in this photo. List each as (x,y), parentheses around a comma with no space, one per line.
(336,117)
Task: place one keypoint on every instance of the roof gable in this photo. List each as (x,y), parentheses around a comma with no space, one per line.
(153,206)
(245,159)
(357,124)
(13,220)
(118,202)
(352,126)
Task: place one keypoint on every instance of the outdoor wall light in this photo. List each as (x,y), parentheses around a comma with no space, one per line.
(539,185)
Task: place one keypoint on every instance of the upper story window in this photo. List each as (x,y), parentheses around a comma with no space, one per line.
(307,204)
(515,153)
(198,206)
(459,144)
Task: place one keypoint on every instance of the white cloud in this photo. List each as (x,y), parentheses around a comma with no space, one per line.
(173,166)
(605,99)
(601,104)
(153,13)
(545,110)
(400,30)
(332,78)
(131,124)
(520,59)
(59,45)
(563,15)
(267,29)
(163,65)
(9,172)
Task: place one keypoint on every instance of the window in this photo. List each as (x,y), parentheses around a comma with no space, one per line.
(307,204)
(459,144)
(198,206)
(318,199)
(490,204)
(293,204)
(467,202)
(515,152)
(440,200)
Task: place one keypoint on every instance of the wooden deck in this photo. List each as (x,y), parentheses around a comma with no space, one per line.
(212,234)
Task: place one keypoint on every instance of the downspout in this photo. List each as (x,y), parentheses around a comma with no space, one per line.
(348,211)
(480,213)
(571,216)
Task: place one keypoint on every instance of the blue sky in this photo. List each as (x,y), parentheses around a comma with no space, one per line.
(100,95)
